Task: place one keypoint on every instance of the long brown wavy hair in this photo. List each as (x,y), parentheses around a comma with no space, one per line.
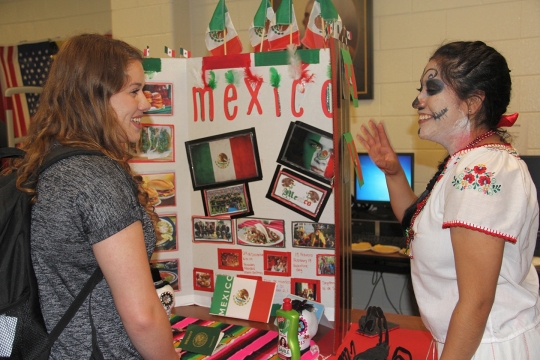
(75,108)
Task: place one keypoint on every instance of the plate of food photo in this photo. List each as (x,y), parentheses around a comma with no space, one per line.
(168,276)
(164,188)
(258,233)
(166,228)
(153,197)
(203,280)
(155,140)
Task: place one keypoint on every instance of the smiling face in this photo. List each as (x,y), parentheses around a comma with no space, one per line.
(318,151)
(443,117)
(130,102)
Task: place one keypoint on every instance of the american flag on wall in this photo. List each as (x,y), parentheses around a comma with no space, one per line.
(23,65)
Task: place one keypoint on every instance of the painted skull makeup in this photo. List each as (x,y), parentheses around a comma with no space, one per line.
(442,116)
(318,154)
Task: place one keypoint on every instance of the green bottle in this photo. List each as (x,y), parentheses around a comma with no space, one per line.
(287,323)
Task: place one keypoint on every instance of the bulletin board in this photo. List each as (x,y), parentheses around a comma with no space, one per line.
(272,217)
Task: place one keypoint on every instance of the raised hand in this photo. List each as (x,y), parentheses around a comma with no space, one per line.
(376,143)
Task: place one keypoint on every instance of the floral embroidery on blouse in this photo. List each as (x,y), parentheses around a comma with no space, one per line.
(478,178)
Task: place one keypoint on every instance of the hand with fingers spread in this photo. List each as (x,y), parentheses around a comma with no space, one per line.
(378,147)
(376,143)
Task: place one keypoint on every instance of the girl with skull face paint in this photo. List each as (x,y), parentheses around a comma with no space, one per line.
(472,233)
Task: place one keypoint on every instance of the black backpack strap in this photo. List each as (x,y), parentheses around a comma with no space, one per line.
(9,152)
(61,152)
(56,154)
(96,277)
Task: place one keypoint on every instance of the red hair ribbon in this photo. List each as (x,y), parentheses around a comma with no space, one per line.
(507,120)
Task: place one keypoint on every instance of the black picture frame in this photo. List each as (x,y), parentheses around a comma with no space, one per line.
(231,201)
(301,139)
(308,199)
(211,162)
(357,17)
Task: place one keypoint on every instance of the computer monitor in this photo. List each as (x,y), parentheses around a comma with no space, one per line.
(533,163)
(374,190)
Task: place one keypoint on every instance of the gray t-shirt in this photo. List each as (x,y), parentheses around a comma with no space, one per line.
(82,200)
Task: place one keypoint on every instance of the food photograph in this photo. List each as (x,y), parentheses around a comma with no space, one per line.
(260,232)
(155,144)
(161,189)
(166,226)
(160,98)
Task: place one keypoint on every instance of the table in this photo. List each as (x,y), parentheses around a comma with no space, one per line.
(372,261)
(324,337)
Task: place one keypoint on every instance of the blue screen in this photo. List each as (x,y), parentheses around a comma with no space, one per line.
(374,188)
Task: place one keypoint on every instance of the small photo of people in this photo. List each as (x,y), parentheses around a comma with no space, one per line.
(206,229)
(326,265)
(230,200)
(313,235)
(277,263)
(306,288)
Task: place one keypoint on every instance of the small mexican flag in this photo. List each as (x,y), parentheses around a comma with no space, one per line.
(220,27)
(169,51)
(283,28)
(185,53)
(242,298)
(323,15)
(224,160)
(257,31)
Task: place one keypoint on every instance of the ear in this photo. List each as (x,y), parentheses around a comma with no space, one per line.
(474,102)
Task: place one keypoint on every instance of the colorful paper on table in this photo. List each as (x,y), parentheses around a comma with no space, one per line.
(201,339)
(354,156)
(238,342)
(220,25)
(416,341)
(242,298)
(238,151)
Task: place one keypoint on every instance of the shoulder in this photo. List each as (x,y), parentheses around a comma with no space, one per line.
(489,168)
(87,176)
(493,159)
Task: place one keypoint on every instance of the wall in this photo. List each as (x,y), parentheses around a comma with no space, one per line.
(37,20)
(156,24)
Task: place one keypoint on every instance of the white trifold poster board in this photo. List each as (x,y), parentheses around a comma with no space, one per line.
(241,148)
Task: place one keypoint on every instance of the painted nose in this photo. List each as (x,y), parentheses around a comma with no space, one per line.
(416,104)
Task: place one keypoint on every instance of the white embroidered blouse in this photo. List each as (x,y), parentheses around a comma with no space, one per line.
(489,189)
